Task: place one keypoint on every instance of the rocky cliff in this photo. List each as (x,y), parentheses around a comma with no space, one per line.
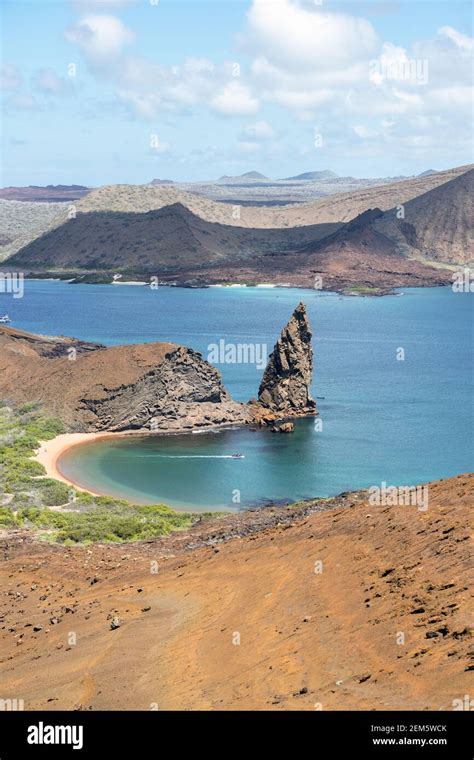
(160,387)
(285,387)
(183,392)
(152,386)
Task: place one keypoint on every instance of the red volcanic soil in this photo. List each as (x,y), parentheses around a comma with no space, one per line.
(354,607)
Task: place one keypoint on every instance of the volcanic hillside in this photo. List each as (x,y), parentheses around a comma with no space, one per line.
(140,199)
(164,231)
(336,208)
(436,225)
(171,238)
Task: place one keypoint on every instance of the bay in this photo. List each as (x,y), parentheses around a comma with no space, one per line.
(393,381)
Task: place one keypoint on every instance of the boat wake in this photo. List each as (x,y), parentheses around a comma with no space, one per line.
(190,456)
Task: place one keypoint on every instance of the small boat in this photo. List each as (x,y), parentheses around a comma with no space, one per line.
(237,456)
(4,318)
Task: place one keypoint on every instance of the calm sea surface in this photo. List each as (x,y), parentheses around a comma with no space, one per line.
(383,419)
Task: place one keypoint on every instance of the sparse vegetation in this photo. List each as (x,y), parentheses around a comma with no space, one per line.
(27,495)
(22,221)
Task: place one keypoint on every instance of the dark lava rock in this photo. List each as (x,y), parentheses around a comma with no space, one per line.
(285,386)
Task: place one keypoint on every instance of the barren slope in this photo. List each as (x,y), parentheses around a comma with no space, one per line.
(385,625)
(374,249)
(437,225)
(356,256)
(337,208)
(171,238)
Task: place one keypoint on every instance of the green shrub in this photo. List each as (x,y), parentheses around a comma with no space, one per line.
(7,517)
(89,518)
(53,493)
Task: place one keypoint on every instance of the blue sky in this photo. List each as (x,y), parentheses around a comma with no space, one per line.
(193,90)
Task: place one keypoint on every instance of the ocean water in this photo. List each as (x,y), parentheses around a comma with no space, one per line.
(393,380)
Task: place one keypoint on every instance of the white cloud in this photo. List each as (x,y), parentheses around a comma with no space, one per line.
(322,67)
(10,77)
(455,96)
(295,37)
(330,68)
(301,100)
(460,40)
(407,97)
(364,132)
(261,130)
(101,5)
(145,106)
(49,83)
(102,38)
(22,102)
(304,55)
(450,62)
(147,87)
(245,146)
(175,87)
(235,99)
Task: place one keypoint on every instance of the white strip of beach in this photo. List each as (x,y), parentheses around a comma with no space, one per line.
(49,453)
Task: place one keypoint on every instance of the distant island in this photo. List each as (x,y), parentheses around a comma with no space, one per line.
(318,175)
(248,176)
(162,182)
(48,193)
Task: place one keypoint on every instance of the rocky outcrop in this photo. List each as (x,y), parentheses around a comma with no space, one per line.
(158,387)
(283,427)
(183,393)
(28,344)
(285,387)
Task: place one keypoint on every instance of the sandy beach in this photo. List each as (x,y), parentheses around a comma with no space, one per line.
(49,453)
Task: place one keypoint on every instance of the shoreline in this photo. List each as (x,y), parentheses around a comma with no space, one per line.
(49,452)
(350,289)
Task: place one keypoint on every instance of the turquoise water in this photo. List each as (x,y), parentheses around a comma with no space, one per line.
(402,422)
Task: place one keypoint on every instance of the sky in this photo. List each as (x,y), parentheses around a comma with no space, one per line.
(101,92)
